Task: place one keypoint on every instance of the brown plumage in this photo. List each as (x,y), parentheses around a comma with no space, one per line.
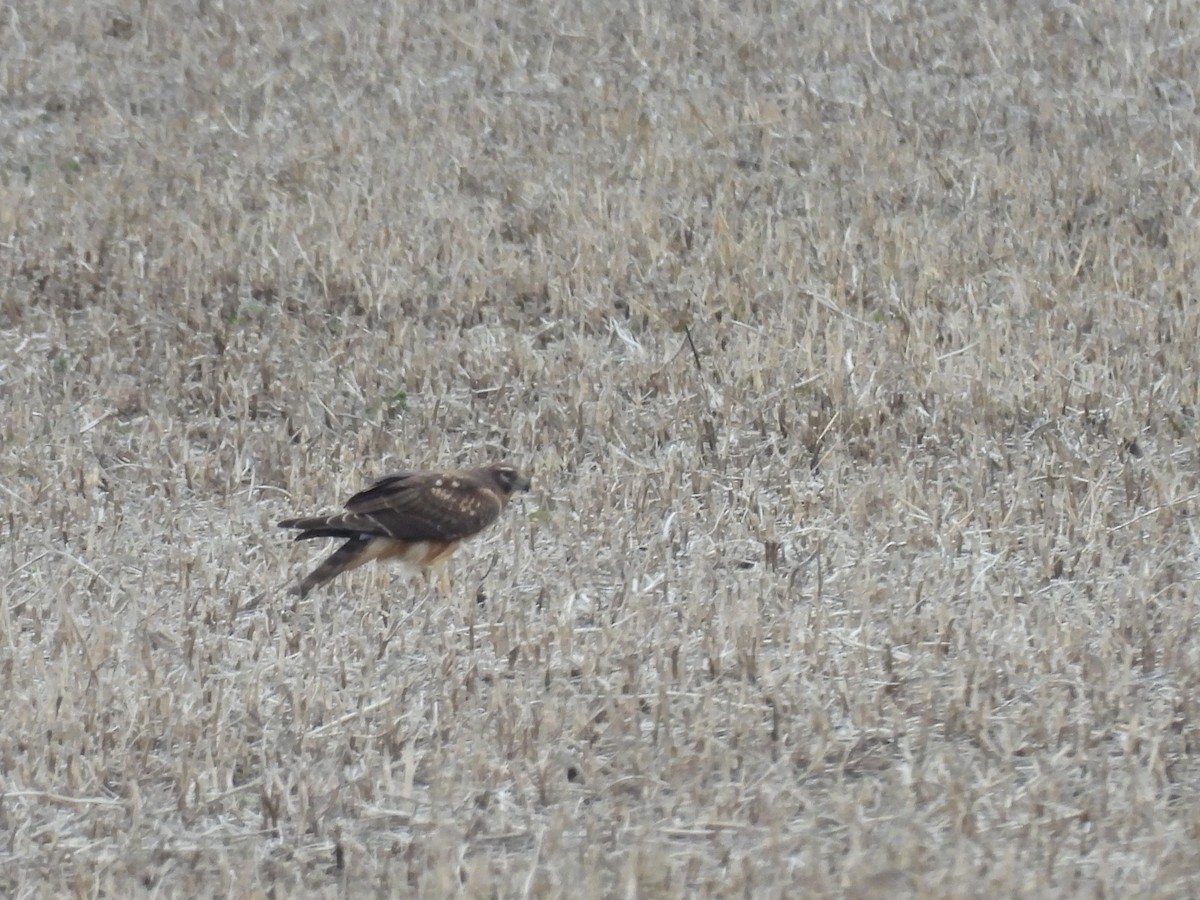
(419,518)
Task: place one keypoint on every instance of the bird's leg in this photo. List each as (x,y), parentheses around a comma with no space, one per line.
(438,572)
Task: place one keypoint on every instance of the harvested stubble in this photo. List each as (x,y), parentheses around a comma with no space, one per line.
(852,349)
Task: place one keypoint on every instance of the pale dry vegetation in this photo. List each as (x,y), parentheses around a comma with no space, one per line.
(852,350)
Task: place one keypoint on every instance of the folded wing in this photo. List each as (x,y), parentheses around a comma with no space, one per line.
(411,506)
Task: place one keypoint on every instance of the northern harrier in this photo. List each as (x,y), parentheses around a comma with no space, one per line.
(419,518)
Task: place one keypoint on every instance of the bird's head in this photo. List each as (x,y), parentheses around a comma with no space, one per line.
(508,478)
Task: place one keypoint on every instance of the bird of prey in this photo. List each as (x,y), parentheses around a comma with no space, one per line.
(419,518)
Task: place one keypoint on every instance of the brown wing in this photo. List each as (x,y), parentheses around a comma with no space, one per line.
(413,506)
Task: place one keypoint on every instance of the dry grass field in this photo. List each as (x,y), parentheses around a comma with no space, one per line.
(852,349)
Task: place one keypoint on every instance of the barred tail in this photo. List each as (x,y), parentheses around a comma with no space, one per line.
(348,556)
